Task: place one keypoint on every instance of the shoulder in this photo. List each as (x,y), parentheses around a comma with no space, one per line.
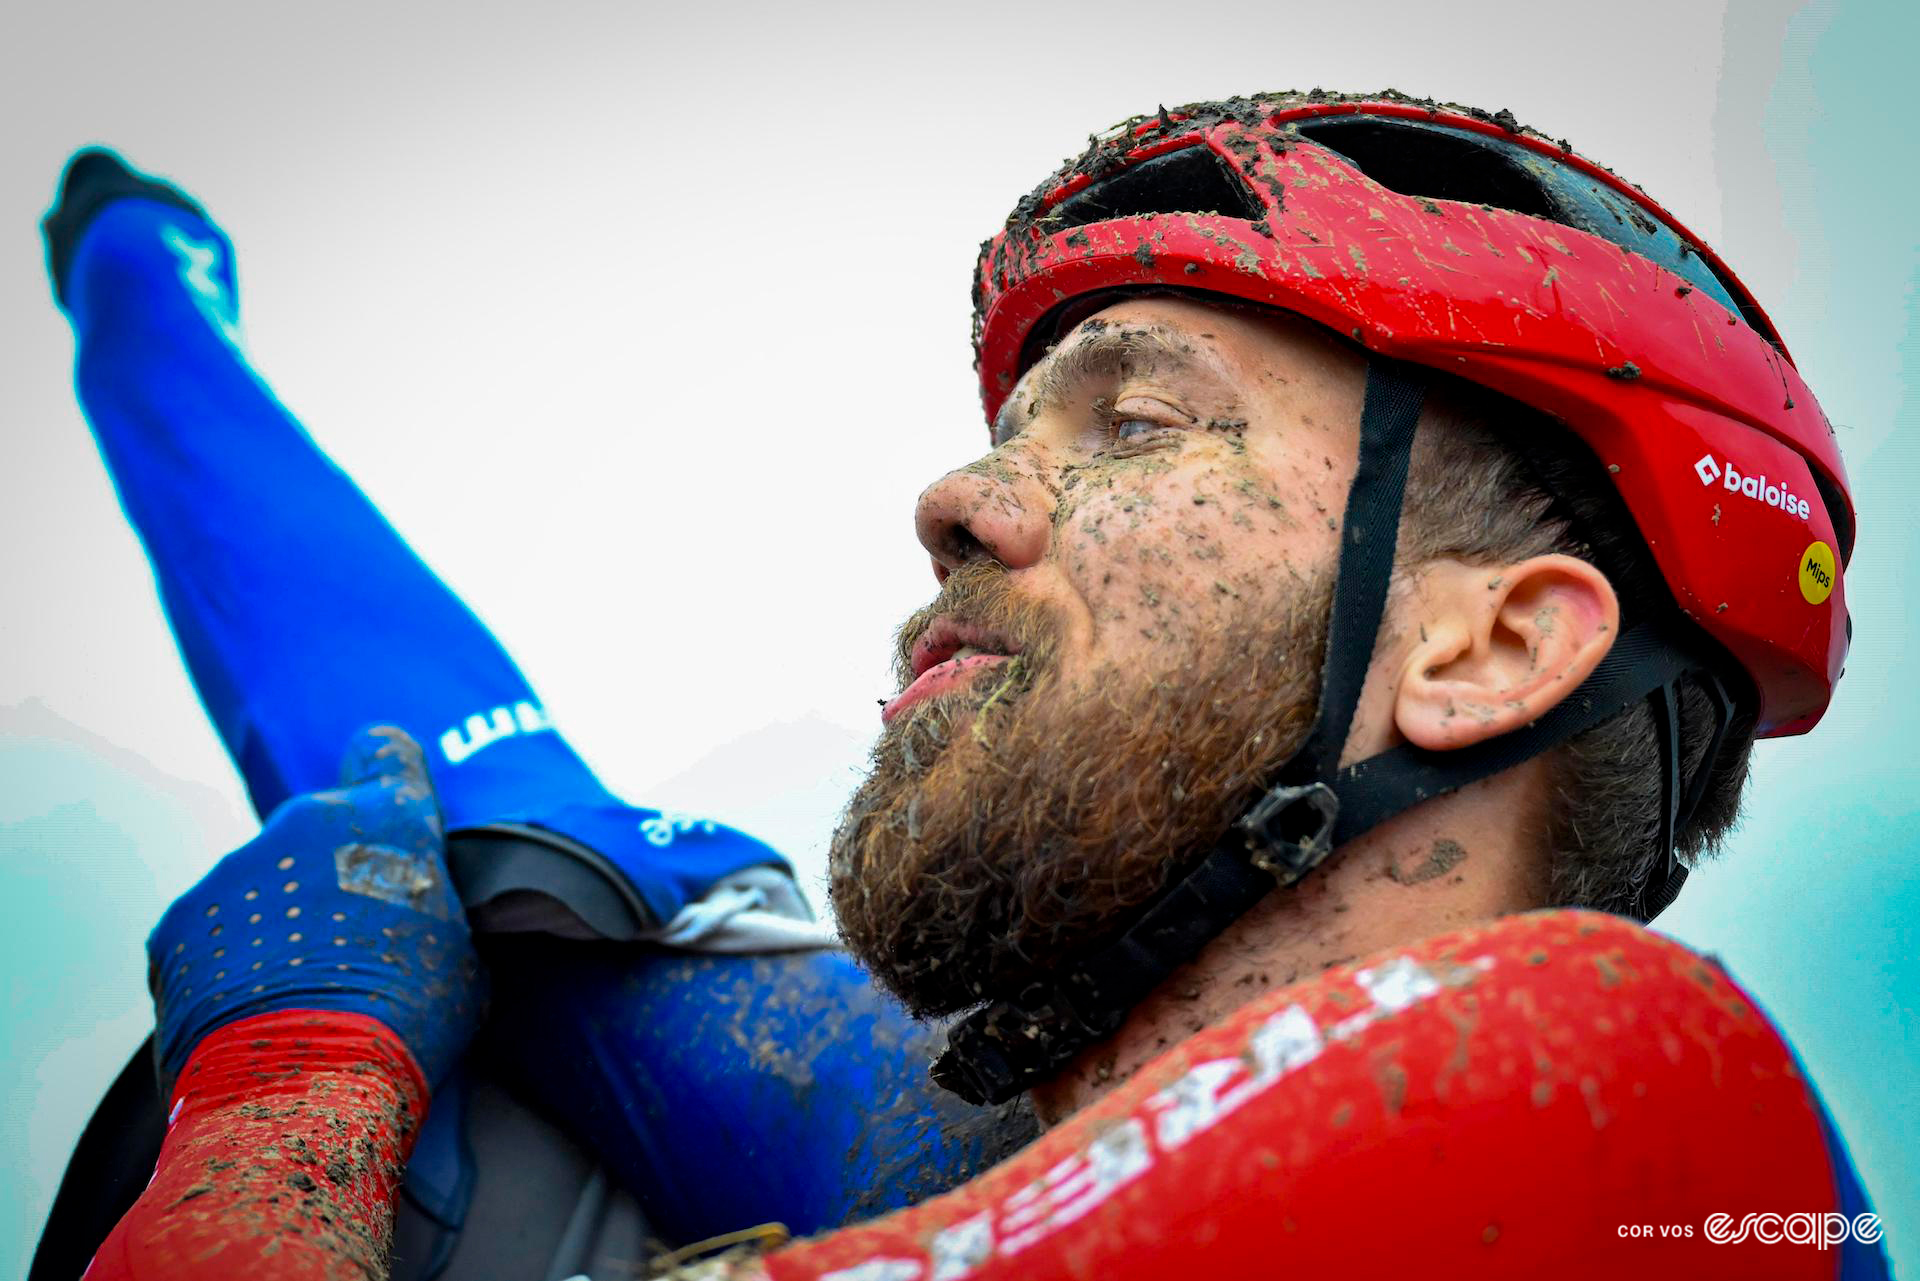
(1538,1058)
(1632,1025)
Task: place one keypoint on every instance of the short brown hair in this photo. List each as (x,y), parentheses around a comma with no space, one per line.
(1493,482)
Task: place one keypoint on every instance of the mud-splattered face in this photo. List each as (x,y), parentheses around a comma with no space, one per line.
(1127,640)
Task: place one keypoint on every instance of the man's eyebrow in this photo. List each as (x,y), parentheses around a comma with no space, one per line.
(1113,350)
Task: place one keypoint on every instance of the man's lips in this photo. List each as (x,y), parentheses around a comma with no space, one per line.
(946,636)
(939,679)
(947,654)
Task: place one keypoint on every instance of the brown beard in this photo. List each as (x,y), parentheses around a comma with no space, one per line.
(1020,821)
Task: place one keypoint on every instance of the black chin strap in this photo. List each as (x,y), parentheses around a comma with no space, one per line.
(1368,534)
(1010,1045)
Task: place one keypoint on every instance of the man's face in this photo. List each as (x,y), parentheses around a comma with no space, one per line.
(1134,589)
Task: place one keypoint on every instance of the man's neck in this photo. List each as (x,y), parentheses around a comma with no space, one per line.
(1454,861)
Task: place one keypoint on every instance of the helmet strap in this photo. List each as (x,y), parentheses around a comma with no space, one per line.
(1647,660)
(1679,800)
(1369,533)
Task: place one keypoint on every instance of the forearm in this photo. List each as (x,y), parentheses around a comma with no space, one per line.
(287,1137)
(728,1090)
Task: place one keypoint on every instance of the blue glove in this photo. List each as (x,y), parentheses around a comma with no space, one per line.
(341,903)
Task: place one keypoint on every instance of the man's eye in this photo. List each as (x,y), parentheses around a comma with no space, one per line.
(1135,417)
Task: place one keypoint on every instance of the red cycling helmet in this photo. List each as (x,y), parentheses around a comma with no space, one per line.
(1443,239)
(1462,242)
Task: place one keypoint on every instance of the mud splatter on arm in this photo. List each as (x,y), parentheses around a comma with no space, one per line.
(283,1158)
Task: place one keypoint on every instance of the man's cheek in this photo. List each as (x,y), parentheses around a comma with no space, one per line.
(1253,500)
(1237,529)
(1138,582)
(1084,525)
(1143,547)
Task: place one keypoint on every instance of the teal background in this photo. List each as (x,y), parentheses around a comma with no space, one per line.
(1814,907)
(472,341)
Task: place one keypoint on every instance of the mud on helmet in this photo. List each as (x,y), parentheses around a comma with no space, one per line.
(1445,242)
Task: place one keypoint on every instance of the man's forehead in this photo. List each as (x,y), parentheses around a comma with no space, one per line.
(1163,325)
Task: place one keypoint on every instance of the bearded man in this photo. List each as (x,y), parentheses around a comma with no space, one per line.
(1394,526)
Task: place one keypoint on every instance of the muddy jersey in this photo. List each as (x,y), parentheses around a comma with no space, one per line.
(1559,1094)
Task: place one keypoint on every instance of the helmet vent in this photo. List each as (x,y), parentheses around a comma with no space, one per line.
(1418,158)
(1435,163)
(1191,180)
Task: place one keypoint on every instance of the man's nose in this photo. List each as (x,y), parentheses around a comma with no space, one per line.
(993,509)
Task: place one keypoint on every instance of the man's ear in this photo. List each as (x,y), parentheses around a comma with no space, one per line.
(1500,646)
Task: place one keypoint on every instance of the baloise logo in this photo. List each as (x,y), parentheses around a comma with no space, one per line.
(1754,487)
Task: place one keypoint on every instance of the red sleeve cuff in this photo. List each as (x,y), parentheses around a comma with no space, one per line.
(269,1054)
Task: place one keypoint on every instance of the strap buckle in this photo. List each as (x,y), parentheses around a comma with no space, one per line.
(994,1053)
(1289,831)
